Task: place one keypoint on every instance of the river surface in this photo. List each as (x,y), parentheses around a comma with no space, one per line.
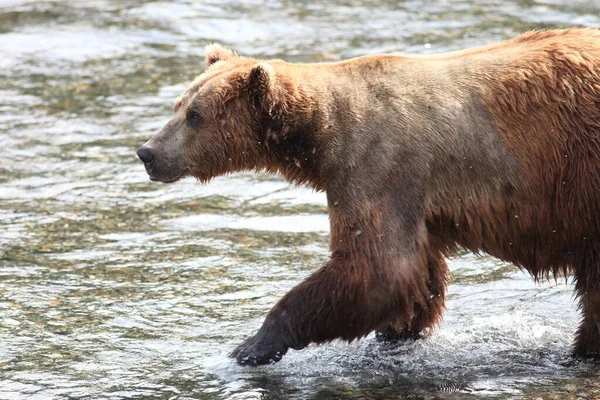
(113,287)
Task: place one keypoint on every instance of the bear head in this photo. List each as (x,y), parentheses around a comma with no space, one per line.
(240,114)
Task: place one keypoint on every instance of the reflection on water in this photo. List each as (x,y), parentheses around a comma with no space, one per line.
(115,287)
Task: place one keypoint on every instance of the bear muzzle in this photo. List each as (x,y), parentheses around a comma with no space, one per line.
(147,155)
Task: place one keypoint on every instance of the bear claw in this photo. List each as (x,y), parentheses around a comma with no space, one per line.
(259,350)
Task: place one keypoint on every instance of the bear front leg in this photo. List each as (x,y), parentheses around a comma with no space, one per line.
(377,272)
(425,318)
(344,300)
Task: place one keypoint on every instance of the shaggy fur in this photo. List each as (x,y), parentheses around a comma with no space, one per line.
(495,149)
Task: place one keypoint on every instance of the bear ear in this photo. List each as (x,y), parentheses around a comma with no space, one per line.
(265,90)
(215,52)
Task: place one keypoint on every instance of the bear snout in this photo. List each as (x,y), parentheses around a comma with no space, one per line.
(160,168)
(145,154)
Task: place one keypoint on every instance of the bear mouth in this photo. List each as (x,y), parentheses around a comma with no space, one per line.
(165,179)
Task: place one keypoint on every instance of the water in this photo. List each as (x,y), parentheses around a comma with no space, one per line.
(113,287)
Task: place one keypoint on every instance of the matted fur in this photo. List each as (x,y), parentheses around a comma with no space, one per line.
(495,149)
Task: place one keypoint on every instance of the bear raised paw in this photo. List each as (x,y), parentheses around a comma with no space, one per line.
(495,149)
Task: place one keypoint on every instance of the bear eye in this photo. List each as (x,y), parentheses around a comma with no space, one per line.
(193,116)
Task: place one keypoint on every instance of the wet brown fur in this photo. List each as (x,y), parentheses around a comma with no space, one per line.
(495,149)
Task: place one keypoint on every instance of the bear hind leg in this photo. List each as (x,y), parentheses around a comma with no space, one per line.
(587,339)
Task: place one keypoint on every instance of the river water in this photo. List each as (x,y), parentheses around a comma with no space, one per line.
(113,287)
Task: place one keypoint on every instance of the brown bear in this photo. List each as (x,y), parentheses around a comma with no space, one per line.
(494,149)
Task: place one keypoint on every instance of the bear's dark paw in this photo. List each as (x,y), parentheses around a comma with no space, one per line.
(259,350)
(390,334)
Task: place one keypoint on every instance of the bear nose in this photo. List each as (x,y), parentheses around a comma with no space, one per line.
(145,154)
